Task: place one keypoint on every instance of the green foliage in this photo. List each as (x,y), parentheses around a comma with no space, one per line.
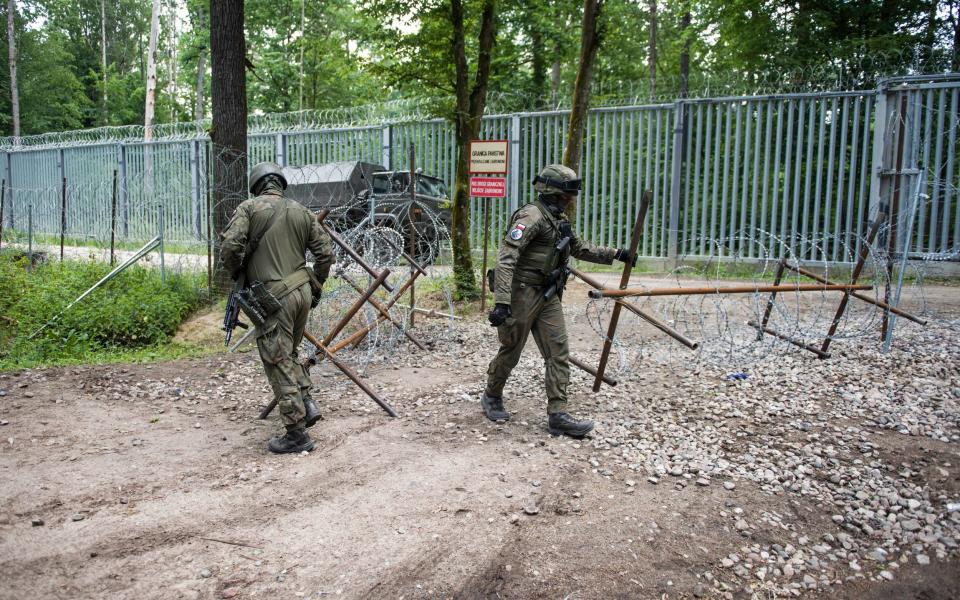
(357,53)
(133,312)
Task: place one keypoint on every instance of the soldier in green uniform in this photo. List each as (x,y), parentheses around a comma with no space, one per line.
(528,283)
(277,232)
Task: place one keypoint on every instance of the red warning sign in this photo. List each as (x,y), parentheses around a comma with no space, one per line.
(488,187)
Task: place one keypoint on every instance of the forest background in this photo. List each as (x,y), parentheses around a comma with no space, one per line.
(84,63)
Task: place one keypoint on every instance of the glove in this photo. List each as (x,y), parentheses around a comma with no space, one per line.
(315,299)
(623,255)
(499,315)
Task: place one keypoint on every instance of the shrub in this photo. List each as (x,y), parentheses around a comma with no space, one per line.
(133,310)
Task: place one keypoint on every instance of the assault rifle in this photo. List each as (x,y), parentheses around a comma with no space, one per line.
(557,280)
(231,318)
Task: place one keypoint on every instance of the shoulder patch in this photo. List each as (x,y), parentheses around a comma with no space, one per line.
(517,232)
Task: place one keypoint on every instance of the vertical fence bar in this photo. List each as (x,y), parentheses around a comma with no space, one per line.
(514,163)
(195,187)
(113,219)
(675,181)
(948,186)
(739,163)
(63,217)
(828,194)
(714,206)
(11,218)
(696,230)
(30,236)
(124,189)
(160,227)
(754,187)
(837,234)
(3,199)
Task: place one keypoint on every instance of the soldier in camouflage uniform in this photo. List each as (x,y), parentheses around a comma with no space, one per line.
(288,230)
(527,257)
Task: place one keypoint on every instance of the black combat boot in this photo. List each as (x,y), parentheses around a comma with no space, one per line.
(313,412)
(295,440)
(563,424)
(493,408)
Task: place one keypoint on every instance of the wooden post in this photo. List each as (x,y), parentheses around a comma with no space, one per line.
(413,225)
(854,277)
(624,280)
(773,297)
(486,242)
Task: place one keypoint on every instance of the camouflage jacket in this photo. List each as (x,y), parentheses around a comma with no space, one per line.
(527,253)
(282,249)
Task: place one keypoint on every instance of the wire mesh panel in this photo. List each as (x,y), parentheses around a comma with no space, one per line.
(758,171)
(737,177)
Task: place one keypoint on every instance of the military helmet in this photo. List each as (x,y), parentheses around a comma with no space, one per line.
(261,170)
(557,179)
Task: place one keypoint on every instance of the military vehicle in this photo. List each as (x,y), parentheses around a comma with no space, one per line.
(367,195)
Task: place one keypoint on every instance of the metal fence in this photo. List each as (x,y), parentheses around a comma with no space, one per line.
(749,177)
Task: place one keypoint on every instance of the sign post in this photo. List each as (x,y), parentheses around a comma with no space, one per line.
(487,157)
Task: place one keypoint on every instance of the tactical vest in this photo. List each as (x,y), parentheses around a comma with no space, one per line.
(539,258)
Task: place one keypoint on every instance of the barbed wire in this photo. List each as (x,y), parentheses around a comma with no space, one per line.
(863,71)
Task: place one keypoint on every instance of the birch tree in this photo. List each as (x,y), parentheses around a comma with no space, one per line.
(151,99)
(14,89)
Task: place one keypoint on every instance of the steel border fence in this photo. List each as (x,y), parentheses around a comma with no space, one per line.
(742,176)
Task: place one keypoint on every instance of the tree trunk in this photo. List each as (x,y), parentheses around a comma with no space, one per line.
(151,72)
(538,63)
(685,55)
(198,111)
(14,88)
(555,76)
(955,58)
(303,43)
(103,57)
(173,59)
(590,37)
(930,35)
(228,134)
(469,112)
(652,53)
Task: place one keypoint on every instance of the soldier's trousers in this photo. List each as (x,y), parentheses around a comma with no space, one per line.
(278,351)
(544,318)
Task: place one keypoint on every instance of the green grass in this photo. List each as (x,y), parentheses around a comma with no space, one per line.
(130,318)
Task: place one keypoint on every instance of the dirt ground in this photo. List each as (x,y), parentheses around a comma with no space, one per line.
(153,481)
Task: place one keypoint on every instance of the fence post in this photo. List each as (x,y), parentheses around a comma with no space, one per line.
(515,133)
(30,234)
(124,190)
(387,147)
(675,182)
(281,149)
(163,270)
(195,187)
(878,185)
(63,217)
(9,166)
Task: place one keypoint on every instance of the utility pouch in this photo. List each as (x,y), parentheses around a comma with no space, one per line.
(491,279)
(251,308)
(269,304)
